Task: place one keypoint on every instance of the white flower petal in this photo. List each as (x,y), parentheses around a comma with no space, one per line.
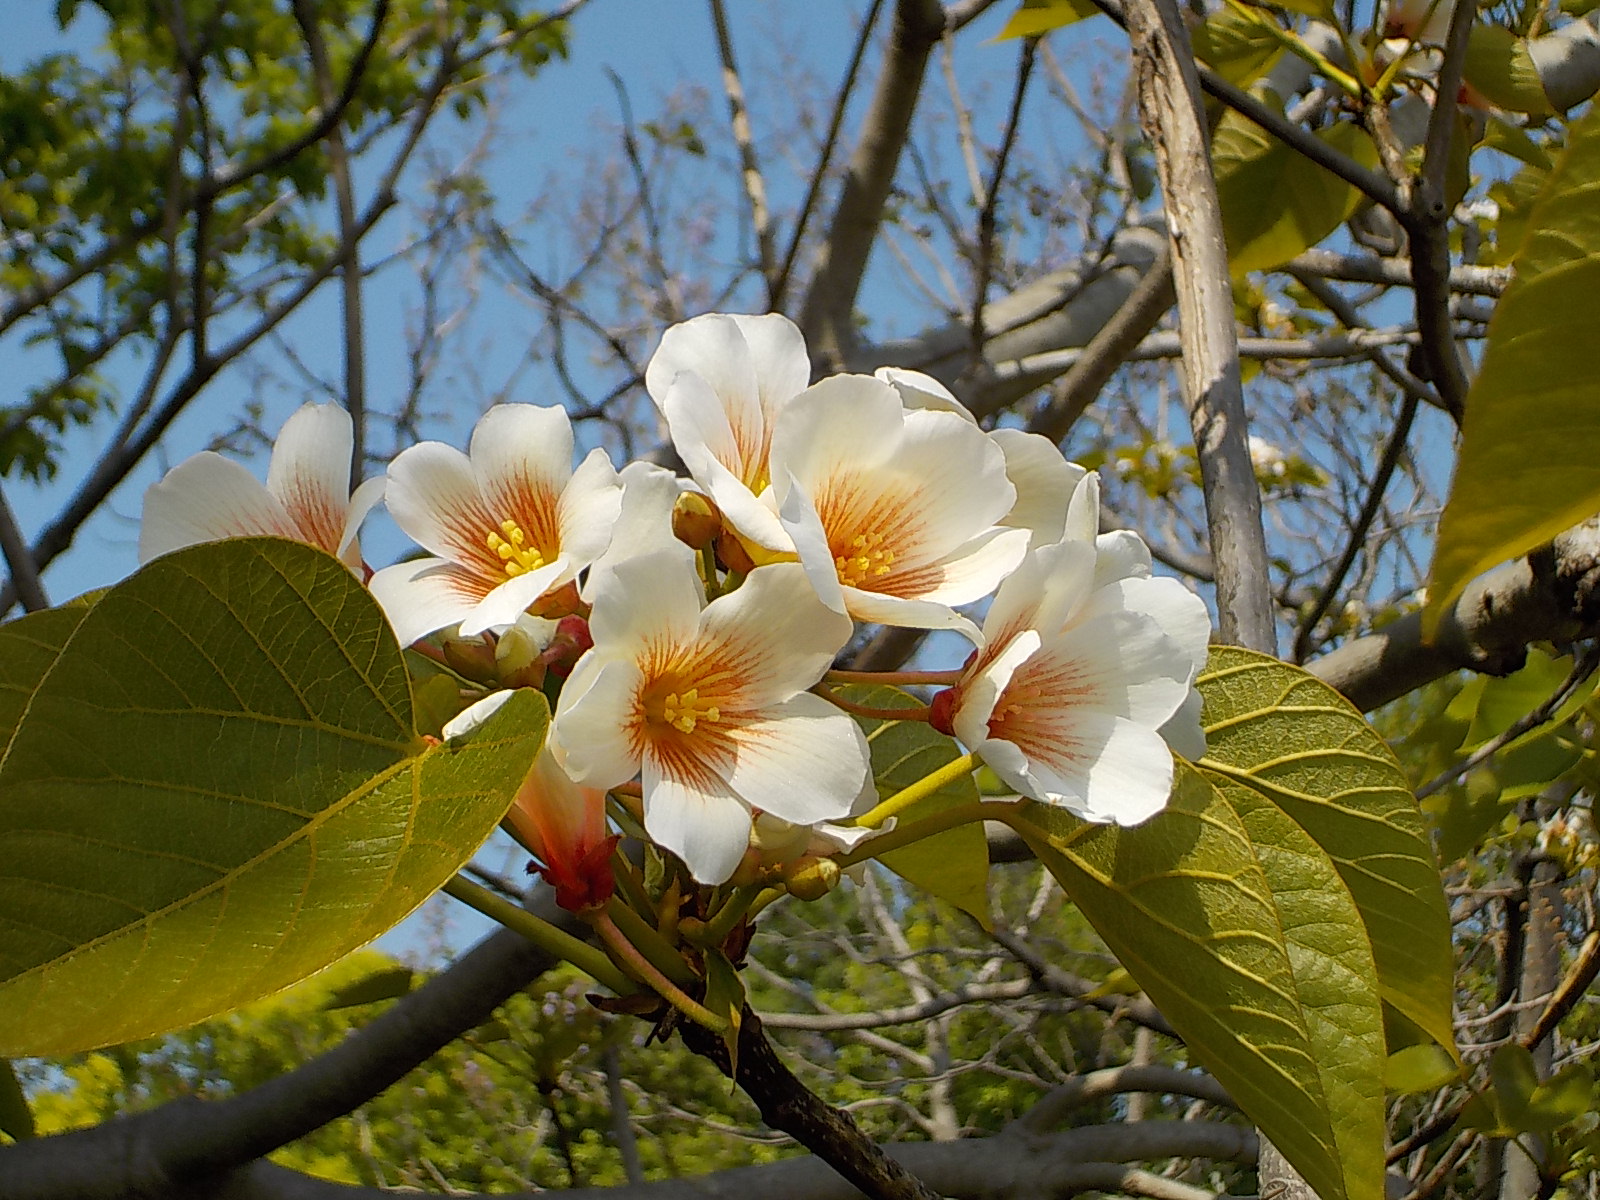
(1046,590)
(644,521)
(982,689)
(961,476)
(204,499)
(778,354)
(1120,554)
(1045,483)
(588,510)
(851,419)
(810,540)
(923,391)
(701,822)
(591,735)
(1103,768)
(521,449)
(805,762)
(470,718)
(509,600)
(362,501)
(424,595)
(975,568)
(1119,663)
(651,604)
(879,609)
(1184,732)
(310,472)
(780,633)
(433,496)
(1083,512)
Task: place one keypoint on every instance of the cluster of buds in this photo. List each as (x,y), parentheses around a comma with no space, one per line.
(686,629)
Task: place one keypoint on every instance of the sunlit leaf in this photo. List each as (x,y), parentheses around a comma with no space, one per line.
(388,983)
(1236,46)
(1185,904)
(1500,68)
(1419,1068)
(953,865)
(1275,201)
(1041,16)
(216,789)
(1290,736)
(1335,979)
(1529,464)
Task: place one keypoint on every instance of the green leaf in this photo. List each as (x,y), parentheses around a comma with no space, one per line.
(954,865)
(16,1117)
(1186,904)
(725,998)
(1236,46)
(215,789)
(1420,1068)
(1529,465)
(1291,737)
(390,983)
(1502,70)
(1275,201)
(1041,16)
(1335,978)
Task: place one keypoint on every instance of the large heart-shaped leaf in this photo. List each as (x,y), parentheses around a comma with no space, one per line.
(1185,904)
(1291,737)
(953,865)
(212,787)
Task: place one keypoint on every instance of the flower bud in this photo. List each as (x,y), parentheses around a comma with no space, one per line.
(563,825)
(471,658)
(696,520)
(571,640)
(732,554)
(811,878)
(942,712)
(518,655)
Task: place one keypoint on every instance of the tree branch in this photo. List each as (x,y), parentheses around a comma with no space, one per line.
(826,317)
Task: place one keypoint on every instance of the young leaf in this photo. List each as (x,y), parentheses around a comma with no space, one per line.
(1530,444)
(725,997)
(1041,16)
(1275,201)
(215,789)
(1291,737)
(1184,903)
(954,865)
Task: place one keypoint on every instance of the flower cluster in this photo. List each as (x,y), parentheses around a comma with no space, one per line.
(688,624)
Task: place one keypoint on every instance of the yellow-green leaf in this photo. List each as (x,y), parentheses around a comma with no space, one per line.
(1185,904)
(954,865)
(1335,978)
(1275,201)
(1291,737)
(1529,464)
(1041,16)
(214,789)
(1236,46)
(1502,70)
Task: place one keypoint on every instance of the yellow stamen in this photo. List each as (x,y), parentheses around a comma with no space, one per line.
(683,712)
(513,550)
(869,559)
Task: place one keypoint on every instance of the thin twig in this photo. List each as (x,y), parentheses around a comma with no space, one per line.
(755,187)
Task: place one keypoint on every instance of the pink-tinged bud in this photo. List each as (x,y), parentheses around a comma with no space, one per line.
(519,656)
(942,712)
(733,556)
(696,520)
(563,825)
(572,639)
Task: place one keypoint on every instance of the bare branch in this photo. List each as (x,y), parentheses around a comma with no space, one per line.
(739,122)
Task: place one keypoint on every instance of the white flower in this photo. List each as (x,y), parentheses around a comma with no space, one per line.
(894,513)
(1045,481)
(708,702)
(1075,681)
(306,497)
(509,524)
(721,381)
